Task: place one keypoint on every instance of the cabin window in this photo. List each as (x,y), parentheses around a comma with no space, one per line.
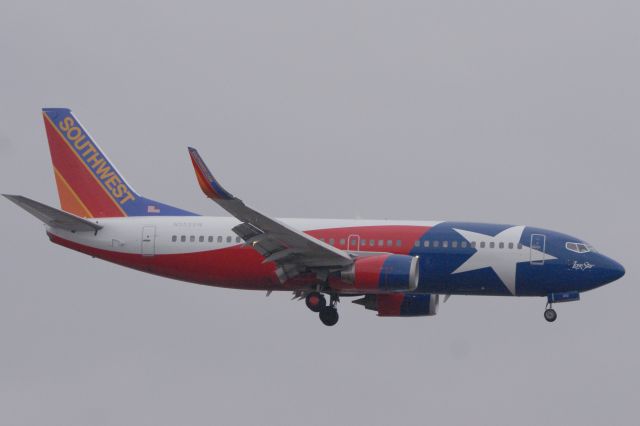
(464,244)
(372,243)
(427,243)
(492,245)
(174,238)
(473,244)
(389,243)
(381,243)
(192,239)
(238,239)
(354,243)
(445,244)
(501,245)
(228,238)
(183,238)
(219,238)
(416,243)
(363,242)
(483,244)
(342,241)
(454,244)
(510,246)
(436,243)
(210,238)
(399,243)
(332,241)
(519,246)
(201,239)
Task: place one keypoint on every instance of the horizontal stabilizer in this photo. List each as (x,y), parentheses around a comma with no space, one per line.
(54,217)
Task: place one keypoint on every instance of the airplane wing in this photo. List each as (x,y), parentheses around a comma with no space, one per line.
(293,251)
(54,217)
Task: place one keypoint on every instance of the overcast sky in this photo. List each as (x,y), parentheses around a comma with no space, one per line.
(494,111)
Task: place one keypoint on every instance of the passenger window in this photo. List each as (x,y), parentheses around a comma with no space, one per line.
(220,238)
(426,243)
(174,238)
(473,244)
(483,244)
(354,243)
(416,243)
(238,239)
(463,244)
(363,242)
(381,243)
(519,246)
(445,244)
(372,243)
(454,244)
(399,243)
(228,238)
(492,244)
(210,238)
(501,245)
(192,238)
(436,243)
(389,243)
(332,241)
(342,241)
(201,239)
(510,246)
(183,238)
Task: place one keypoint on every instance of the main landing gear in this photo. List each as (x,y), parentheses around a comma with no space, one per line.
(328,314)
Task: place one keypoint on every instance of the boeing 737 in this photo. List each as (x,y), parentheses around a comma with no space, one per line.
(396,268)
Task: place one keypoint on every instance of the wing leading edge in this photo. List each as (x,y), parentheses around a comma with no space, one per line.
(293,251)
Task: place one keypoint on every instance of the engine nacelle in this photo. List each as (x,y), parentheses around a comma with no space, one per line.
(379,274)
(401,304)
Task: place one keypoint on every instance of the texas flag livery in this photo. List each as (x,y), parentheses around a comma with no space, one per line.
(396,268)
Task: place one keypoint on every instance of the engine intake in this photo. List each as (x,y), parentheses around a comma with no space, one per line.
(380,273)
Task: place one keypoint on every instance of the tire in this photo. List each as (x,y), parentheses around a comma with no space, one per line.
(550,315)
(315,301)
(329,316)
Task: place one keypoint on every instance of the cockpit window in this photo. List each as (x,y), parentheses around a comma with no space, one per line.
(578,247)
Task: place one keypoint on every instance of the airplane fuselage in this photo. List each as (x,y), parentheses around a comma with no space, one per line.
(454,257)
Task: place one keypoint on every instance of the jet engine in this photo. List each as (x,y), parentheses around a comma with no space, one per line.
(401,304)
(379,274)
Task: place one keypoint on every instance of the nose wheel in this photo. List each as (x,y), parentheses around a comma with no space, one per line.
(550,314)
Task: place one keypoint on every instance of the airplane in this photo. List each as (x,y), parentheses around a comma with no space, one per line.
(396,268)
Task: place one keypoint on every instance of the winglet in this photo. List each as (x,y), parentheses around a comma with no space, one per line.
(207,182)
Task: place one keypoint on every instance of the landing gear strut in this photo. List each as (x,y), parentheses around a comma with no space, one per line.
(550,314)
(329,314)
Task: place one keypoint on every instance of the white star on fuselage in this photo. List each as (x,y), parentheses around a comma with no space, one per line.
(503,261)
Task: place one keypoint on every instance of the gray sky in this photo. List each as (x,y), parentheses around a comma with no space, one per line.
(493,111)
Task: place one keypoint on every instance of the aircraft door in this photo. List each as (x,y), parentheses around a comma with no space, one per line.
(353,243)
(148,240)
(538,246)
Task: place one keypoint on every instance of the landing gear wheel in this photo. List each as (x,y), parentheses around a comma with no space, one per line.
(550,315)
(329,315)
(315,301)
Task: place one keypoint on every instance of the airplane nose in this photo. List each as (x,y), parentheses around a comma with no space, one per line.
(613,271)
(617,271)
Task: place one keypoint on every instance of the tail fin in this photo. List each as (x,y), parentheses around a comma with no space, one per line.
(88,183)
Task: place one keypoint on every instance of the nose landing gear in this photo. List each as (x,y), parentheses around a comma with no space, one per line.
(550,314)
